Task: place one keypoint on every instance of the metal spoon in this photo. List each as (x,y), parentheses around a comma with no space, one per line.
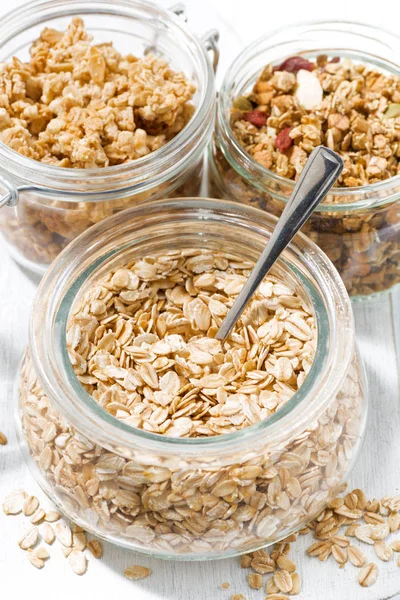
(319,174)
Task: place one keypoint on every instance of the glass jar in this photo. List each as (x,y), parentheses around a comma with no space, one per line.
(48,206)
(157,494)
(358,228)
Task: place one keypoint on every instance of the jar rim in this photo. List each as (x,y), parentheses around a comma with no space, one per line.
(249,163)
(49,317)
(165,160)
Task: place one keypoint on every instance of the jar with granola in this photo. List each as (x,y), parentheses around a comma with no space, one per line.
(146,430)
(330,83)
(102,105)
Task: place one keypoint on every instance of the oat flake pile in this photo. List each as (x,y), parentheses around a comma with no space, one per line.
(142,344)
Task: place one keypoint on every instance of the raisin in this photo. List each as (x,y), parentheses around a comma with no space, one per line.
(283,141)
(294,64)
(335,59)
(256,118)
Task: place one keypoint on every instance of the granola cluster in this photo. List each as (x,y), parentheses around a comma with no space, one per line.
(77,104)
(142,343)
(344,105)
(84,105)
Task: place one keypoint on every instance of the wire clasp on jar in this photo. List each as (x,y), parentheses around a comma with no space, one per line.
(10,198)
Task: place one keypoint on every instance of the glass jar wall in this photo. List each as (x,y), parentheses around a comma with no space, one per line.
(192,498)
(358,228)
(49,206)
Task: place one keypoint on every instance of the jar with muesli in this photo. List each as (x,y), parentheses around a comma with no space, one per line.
(146,430)
(330,83)
(102,105)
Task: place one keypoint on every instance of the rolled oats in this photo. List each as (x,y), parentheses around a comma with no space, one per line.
(47,533)
(78,562)
(177,379)
(95,548)
(30,505)
(141,343)
(136,572)
(29,538)
(368,575)
(14,502)
(3,439)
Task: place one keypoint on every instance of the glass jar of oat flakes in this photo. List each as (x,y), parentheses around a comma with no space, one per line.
(184,449)
(266,126)
(86,128)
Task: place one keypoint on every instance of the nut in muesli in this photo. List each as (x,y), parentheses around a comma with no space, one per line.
(347,112)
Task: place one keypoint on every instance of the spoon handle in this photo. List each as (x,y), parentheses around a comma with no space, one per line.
(320,172)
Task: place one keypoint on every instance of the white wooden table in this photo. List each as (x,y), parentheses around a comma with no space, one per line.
(377,471)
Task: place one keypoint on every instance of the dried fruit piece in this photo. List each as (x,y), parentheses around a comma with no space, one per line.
(335,59)
(137,572)
(14,502)
(256,118)
(3,439)
(242,103)
(309,92)
(392,111)
(283,141)
(368,575)
(78,562)
(95,548)
(293,64)
(30,505)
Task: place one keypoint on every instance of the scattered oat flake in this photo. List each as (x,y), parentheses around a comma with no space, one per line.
(277,597)
(3,439)
(30,505)
(286,563)
(47,533)
(225,586)
(383,551)
(238,597)
(368,575)
(283,581)
(52,516)
(38,516)
(29,538)
(137,572)
(395,545)
(63,534)
(78,562)
(14,502)
(356,556)
(95,548)
(42,553)
(35,560)
(255,581)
